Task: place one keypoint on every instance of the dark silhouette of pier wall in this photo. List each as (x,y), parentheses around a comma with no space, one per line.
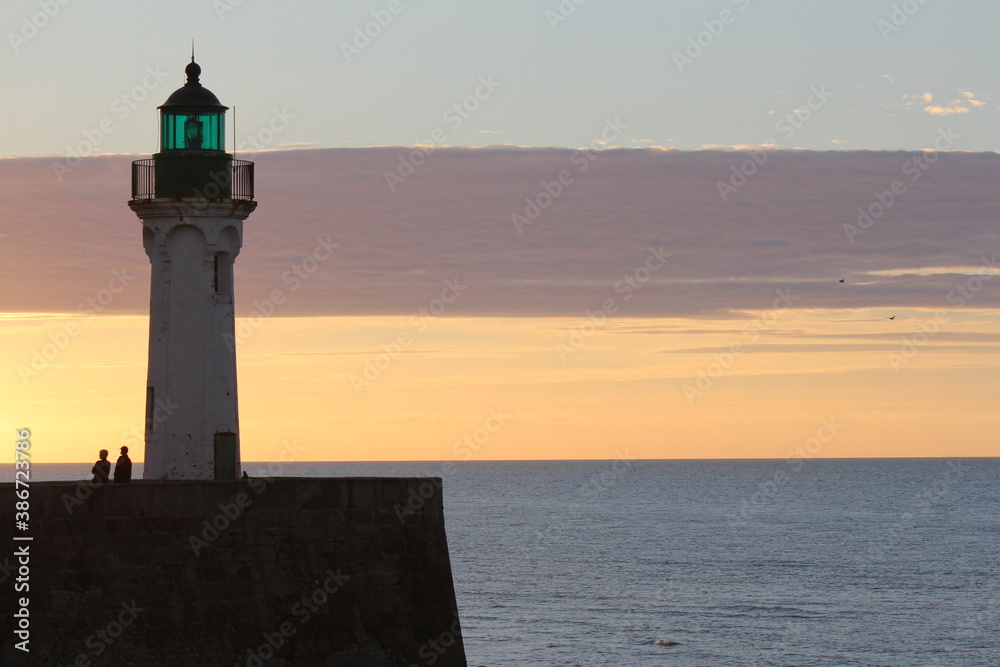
(282,571)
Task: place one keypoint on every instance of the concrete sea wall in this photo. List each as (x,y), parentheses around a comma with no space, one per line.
(283,571)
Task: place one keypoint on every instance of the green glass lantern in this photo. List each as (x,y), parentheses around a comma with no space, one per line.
(192,130)
(192,118)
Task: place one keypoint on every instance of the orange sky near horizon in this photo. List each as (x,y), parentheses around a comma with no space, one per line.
(689,368)
(807,383)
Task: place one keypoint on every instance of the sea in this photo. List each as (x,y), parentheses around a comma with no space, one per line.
(638,563)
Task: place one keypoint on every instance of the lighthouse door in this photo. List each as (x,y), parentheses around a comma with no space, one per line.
(225,456)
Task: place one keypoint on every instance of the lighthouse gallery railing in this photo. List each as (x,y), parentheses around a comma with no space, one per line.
(192,177)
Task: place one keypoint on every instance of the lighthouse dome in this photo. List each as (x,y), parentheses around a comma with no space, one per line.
(192,93)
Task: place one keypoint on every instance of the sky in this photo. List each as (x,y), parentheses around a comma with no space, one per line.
(889,78)
(526,230)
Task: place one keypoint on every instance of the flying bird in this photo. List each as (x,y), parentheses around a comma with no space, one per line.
(841,280)
(891,318)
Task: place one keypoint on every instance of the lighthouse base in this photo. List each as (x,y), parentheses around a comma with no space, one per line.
(282,571)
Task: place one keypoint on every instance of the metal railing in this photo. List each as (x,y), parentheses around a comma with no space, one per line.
(207,177)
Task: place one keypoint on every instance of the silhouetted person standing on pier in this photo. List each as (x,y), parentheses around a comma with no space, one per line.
(123,468)
(102,469)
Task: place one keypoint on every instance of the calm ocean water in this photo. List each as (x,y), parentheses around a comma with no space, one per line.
(832,562)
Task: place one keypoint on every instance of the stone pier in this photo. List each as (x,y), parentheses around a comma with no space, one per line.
(285,571)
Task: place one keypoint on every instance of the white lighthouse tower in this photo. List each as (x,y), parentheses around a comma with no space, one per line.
(192,198)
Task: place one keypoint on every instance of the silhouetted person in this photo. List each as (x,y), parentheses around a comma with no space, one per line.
(245,475)
(102,469)
(123,467)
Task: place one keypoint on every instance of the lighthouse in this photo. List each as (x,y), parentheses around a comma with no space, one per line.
(192,198)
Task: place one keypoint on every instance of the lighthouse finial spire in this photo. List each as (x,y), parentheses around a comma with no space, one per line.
(193,70)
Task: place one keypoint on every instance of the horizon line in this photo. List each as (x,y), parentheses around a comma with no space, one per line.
(453,461)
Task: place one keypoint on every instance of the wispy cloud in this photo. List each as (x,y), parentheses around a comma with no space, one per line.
(918,98)
(738,147)
(970,97)
(967,101)
(953,108)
